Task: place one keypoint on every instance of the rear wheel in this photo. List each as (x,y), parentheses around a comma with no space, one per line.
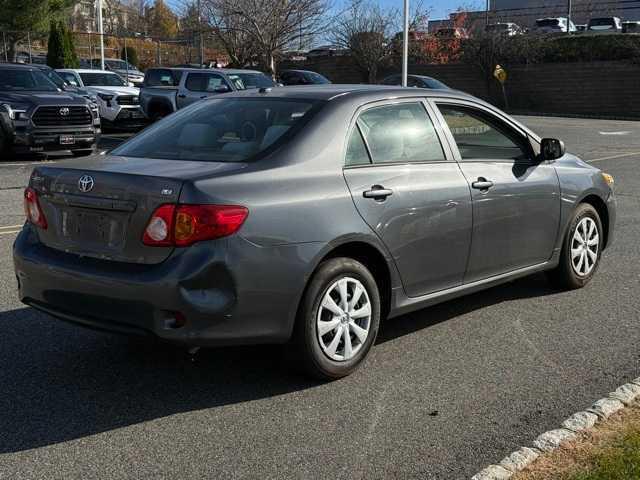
(158,112)
(4,143)
(581,250)
(338,319)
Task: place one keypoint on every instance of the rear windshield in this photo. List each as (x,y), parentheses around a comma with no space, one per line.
(223,130)
(244,81)
(119,65)
(549,22)
(433,83)
(316,78)
(601,23)
(102,80)
(19,79)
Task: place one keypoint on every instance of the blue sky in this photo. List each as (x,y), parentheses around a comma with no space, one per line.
(440,8)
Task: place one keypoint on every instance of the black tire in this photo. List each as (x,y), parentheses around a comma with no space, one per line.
(309,352)
(83,153)
(565,275)
(4,144)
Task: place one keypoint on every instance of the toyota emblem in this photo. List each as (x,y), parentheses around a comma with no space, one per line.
(64,111)
(85,184)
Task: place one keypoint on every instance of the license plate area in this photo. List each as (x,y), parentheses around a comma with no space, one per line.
(90,228)
(67,140)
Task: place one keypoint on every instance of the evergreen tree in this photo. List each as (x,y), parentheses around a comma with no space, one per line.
(70,57)
(55,53)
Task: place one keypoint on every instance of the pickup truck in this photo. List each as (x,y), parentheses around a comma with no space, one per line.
(119,103)
(166,90)
(36,116)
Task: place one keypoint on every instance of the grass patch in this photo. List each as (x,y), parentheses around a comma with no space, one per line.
(619,462)
(610,451)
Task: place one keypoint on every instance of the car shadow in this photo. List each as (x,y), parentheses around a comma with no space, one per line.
(61,382)
(532,286)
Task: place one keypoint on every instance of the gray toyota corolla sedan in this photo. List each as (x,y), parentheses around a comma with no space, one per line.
(307,214)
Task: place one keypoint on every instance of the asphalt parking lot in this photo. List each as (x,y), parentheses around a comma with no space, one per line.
(446,391)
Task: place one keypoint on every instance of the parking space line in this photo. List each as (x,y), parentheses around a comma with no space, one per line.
(10,232)
(630,154)
(10,227)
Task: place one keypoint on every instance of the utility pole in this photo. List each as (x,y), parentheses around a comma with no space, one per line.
(4,47)
(486,14)
(200,32)
(405,45)
(568,17)
(101,33)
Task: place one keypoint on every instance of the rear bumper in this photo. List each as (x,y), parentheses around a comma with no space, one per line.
(222,305)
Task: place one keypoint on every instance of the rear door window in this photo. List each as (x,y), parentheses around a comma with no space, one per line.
(356,150)
(400,133)
(204,82)
(160,77)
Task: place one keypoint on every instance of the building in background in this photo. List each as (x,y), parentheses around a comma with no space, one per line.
(526,12)
(116,14)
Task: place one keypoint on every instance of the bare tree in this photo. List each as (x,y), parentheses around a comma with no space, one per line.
(266,27)
(367,32)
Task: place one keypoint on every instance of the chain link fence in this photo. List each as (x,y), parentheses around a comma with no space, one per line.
(29,47)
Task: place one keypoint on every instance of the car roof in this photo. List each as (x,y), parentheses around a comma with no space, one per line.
(224,71)
(18,66)
(297,70)
(329,92)
(86,70)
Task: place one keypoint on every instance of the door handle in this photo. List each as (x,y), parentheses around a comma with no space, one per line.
(377,192)
(482,184)
(182,95)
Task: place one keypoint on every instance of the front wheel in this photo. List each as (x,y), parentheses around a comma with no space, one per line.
(581,250)
(338,319)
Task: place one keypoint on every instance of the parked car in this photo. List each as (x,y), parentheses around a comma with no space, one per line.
(507,29)
(38,117)
(604,25)
(451,33)
(294,55)
(631,27)
(324,51)
(64,86)
(554,25)
(418,81)
(119,104)
(129,72)
(236,221)
(166,90)
(302,77)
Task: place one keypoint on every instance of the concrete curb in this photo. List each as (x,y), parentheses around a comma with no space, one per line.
(551,440)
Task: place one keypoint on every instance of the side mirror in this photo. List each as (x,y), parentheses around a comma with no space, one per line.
(551,149)
(222,89)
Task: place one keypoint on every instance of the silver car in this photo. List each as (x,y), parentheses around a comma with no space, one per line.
(307,215)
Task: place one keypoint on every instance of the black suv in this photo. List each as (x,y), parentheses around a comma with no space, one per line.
(35,116)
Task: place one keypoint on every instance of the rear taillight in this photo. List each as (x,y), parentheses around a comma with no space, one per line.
(183,225)
(32,209)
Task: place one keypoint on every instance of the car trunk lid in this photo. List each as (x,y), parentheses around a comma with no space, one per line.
(102,211)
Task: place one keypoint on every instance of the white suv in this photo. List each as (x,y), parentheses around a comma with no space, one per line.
(119,102)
